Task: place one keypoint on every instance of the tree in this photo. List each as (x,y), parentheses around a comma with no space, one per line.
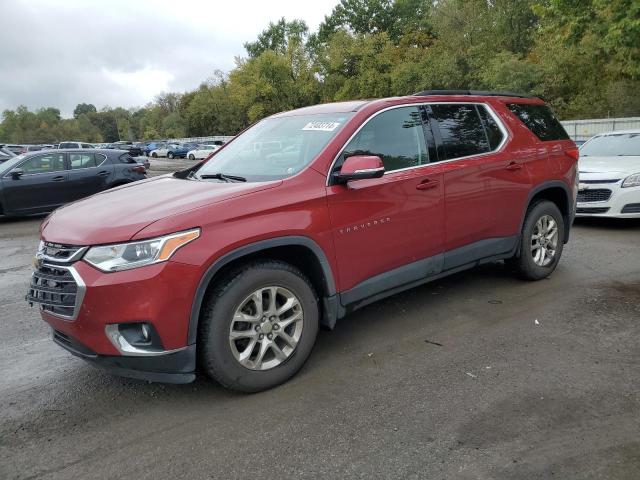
(83,108)
(277,37)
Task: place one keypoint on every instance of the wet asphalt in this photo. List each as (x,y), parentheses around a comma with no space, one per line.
(477,376)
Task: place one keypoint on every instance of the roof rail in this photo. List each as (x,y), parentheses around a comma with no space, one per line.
(481,93)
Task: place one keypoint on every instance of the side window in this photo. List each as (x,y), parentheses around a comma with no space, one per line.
(540,120)
(82,160)
(396,136)
(494,134)
(126,158)
(86,145)
(67,145)
(461,130)
(52,162)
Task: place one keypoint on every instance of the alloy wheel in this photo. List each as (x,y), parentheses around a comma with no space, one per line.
(544,240)
(266,328)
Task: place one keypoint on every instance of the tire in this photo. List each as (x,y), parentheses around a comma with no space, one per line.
(219,355)
(154,155)
(170,155)
(531,263)
(192,157)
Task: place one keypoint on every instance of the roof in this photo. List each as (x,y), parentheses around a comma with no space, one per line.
(334,107)
(478,93)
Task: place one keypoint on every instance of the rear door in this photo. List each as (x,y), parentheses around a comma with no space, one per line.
(470,141)
(42,186)
(89,173)
(388,231)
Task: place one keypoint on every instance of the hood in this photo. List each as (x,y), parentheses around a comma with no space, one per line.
(118,214)
(616,165)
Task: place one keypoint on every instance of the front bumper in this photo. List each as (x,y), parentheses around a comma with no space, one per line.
(160,295)
(623,203)
(175,367)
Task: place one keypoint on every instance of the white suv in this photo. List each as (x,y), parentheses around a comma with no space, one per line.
(610,175)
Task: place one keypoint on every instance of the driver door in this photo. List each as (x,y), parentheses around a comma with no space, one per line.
(388,231)
(41,187)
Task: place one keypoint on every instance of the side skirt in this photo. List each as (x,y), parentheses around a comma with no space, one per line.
(426,270)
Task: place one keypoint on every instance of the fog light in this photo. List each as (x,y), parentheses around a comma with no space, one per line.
(146,333)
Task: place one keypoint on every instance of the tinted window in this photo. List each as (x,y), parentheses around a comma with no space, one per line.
(540,120)
(52,162)
(126,158)
(82,160)
(461,130)
(86,145)
(68,145)
(396,136)
(494,134)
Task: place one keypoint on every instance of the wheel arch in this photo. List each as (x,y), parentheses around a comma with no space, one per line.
(299,251)
(557,192)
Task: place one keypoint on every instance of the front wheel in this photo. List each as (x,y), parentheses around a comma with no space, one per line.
(154,154)
(170,155)
(541,242)
(258,326)
(192,156)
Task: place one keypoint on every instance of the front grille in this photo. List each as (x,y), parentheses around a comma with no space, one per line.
(592,210)
(595,195)
(631,208)
(595,182)
(55,288)
(57,252)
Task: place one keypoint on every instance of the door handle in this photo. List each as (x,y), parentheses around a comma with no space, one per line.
(514,166)
(103,174)
(427,184)
(59,178)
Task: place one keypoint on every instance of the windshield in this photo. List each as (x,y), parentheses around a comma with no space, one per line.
(623,144)
(276,148)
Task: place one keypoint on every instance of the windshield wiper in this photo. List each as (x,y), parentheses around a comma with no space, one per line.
(222,176)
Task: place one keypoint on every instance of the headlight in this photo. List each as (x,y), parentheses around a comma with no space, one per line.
(124,256)
(631,181)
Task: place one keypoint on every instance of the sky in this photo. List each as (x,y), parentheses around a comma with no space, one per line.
(58,53)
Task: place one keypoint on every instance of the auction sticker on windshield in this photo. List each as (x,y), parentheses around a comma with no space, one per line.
(321,126)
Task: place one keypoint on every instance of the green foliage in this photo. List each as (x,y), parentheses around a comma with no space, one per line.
(583,56)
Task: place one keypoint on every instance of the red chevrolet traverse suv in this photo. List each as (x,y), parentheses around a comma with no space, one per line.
(234,264)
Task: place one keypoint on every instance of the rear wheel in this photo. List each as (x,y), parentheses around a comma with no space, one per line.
(192,156)
(541,242)
(258,326)
(170,155)
(154,154)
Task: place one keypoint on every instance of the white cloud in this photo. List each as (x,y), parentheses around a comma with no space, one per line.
(124,52)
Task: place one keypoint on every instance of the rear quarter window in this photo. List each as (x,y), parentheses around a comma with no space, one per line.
(540,120)
(126,158)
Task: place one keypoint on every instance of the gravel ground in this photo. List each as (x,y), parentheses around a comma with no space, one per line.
(477,376)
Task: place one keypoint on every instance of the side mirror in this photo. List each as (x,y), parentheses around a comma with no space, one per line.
(359,167)
(16,173)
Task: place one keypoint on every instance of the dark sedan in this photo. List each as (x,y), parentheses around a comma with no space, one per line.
(39,182)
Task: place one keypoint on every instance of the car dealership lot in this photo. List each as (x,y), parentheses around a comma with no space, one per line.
(475,376)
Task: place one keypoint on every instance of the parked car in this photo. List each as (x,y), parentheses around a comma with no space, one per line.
(180,150)
(218,143)
(164,149)
(134,149)
(149,147)
(31,148)
(243,257)
(610,175)
(5,154)
(42,181)
(15,148)
(202,151)
(63,145)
